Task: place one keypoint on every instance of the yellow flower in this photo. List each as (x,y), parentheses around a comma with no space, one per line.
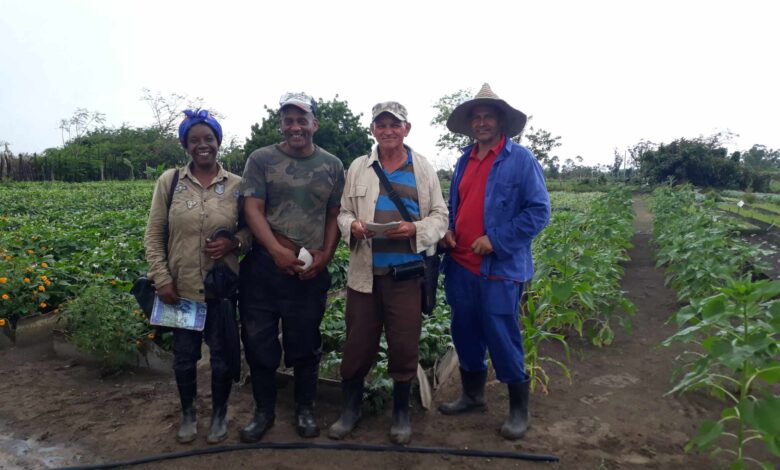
(9,257)
(2,321)
(44,265)
(29,252)
(6,296)
(113,282)
(41,289)
(27,280)
(3,280)
(47,282)
(42,304)
(43,278)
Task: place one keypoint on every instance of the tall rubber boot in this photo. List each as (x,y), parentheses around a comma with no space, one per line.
(517,423)
(401,429)
(264,392)
(352,401)
(472,397)
(188,390)
(305,393)
(220,392)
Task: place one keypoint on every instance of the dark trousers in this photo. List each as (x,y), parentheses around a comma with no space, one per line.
(267,295)
(187,346)
(394,306)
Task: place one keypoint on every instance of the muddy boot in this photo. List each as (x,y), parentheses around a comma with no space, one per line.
(188,389)
(264,391)
(472,398)
(352,398)
(220,392)
(517,423)
(401,429)
(305,392)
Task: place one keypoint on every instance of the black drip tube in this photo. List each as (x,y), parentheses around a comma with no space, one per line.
(322,446)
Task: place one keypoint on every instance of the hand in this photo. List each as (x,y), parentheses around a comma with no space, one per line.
(168,294)
(482,246)
(448,242)
(217,249)
(359,230)
(404,230)
(319,263)
(286,261)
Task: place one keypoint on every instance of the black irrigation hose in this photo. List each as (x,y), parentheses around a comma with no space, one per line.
(314,445)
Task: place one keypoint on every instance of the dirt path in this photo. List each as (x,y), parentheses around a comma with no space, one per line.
(612,415)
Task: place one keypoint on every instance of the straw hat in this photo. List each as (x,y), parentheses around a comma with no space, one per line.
(512,123)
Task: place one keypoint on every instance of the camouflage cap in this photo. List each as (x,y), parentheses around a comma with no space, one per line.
(393,107)
(299,100)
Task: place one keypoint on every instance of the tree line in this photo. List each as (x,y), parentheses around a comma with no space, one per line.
(92,150)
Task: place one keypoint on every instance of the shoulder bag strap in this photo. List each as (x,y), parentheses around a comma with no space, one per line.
(380,173)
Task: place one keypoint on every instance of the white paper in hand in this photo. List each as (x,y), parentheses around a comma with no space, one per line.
(306,257)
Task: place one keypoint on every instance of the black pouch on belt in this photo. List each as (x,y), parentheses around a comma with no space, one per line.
(406,271)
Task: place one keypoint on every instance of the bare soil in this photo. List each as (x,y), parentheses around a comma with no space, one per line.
(614,413)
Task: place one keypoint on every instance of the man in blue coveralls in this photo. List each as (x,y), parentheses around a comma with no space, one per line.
(498,204)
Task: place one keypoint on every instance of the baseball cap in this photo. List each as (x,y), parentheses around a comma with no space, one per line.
(396,109)
(299,100)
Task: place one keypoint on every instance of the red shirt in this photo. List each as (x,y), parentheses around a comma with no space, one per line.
(469,223)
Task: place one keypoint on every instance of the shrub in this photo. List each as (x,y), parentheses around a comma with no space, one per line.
(107,324)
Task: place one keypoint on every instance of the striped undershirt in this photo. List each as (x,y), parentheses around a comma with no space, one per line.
(387,252)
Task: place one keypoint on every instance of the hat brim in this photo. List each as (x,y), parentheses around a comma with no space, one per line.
(395,115)
(512,124)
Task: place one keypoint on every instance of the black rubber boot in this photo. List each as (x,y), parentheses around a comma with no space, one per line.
(220,392)
(264,391)
(472,398)
(352,398)
(188,390)
(401,429)
(517,423)
(305,393)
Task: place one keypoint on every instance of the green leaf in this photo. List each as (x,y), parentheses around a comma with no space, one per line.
(709,432)
(772,375)
(766,416)
(714,306)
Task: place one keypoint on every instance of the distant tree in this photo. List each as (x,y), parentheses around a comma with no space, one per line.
(80,123)
(759,157)
(450,141)
(541,143)
(340,132)
(701,161)
(5,160)
(167,109)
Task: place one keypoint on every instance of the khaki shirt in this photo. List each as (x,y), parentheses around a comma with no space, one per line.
(359,202)
(195,213)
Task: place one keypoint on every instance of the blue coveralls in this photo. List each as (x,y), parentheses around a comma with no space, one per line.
(485,307)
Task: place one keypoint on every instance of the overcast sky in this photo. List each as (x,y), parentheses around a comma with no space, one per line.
(601,74)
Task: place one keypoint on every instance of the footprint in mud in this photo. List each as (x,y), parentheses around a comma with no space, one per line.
(591,399)
(614,381)
(588,429)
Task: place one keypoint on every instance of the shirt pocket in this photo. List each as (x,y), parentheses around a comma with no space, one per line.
(358,190)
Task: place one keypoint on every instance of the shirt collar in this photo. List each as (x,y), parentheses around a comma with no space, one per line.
(494,150)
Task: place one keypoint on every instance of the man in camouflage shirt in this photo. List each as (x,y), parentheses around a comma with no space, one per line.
(292,194)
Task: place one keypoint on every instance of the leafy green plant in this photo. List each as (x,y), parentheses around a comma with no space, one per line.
(738,328)
(107,324)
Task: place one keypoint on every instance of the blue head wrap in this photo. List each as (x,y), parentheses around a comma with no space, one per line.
(198,116)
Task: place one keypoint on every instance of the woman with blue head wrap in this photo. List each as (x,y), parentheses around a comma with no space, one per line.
(193,224)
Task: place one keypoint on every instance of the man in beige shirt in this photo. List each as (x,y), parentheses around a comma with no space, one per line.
(377,298)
